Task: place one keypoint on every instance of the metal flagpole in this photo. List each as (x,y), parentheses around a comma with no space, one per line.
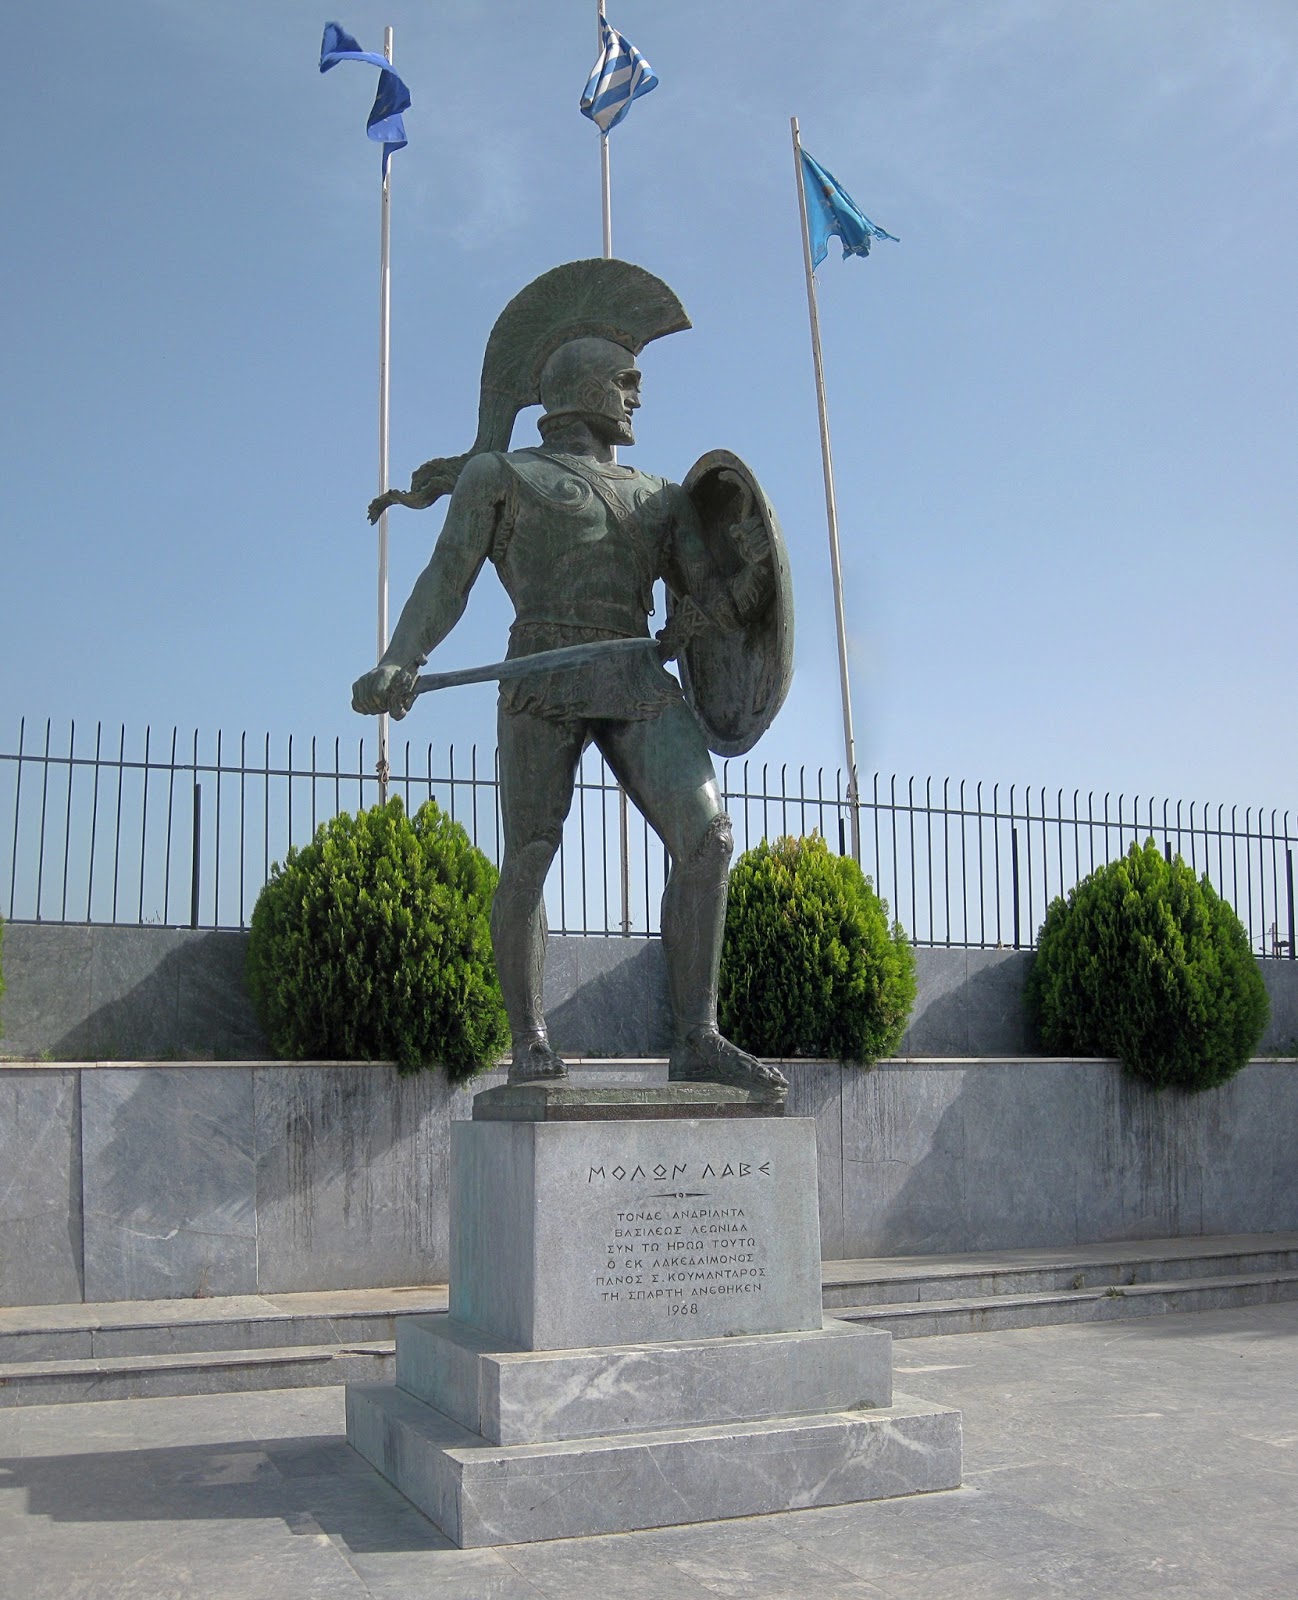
(831,508)
(385,317)
(606,185)
(606,189)
(606,197)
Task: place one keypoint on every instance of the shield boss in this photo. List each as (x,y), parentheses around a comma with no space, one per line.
(736,682)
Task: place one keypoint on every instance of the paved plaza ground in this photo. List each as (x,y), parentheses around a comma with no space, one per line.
(1157,1456)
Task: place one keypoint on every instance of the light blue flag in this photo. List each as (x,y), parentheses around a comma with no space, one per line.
(384,121)
(620,76)
(830,209)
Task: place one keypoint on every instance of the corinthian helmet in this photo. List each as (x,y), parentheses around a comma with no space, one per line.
(577,380)
(589,303)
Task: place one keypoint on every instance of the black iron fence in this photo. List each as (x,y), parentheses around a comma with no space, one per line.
(183,831)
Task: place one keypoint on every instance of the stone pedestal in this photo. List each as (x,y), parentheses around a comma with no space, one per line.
(636,1338)
(567,1234)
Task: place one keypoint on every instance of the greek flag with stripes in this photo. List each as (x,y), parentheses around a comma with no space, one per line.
(620,76)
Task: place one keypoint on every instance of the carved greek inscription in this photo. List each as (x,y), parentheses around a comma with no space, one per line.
(678,1170)
(678,1254)
(690,1243)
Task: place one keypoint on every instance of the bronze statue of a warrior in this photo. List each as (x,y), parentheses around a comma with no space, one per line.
(578,541)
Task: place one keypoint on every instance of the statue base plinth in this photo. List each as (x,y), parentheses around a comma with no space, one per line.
(636,1338)
(559,1101)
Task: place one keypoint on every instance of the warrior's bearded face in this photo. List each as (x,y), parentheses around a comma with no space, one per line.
(596,381)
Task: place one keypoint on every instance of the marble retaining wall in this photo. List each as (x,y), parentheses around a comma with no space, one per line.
(88,992)
(167,1179)
(77,991)
(940,1156)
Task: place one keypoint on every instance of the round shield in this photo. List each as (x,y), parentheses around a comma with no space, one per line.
(736,682)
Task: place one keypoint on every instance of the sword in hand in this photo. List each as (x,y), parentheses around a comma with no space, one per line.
(395,689)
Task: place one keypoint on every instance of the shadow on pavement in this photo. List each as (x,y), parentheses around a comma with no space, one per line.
(311,1485)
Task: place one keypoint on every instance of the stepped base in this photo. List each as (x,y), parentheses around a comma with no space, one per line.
(516,1396)
(636,1340)
(480,1493)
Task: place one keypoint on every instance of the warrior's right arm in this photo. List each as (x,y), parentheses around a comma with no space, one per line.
(441,591)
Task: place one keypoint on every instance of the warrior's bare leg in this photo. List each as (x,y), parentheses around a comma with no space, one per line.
(538,764)
(665,766)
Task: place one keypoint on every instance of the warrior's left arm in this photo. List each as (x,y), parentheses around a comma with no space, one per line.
(705,598)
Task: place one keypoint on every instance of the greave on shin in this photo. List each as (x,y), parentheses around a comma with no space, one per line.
(693,924)
(518,929)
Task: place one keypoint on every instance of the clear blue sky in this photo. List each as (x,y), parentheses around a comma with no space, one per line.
(1063,406)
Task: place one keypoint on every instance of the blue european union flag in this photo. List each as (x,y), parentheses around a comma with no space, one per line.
(384,122)
(830,209)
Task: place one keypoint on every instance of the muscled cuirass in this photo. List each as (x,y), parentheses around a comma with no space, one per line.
(577,548)
(579,544)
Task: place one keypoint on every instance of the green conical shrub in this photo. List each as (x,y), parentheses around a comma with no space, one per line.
(373,942)
(810,964)
(1147,963)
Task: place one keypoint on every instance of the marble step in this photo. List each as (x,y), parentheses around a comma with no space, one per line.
(126,1377)
(480,1494)
(906,1296)
(1038,1271)
(336,1316)
(513,1396)
(232,1322)
(989,1313)
(222,1371)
